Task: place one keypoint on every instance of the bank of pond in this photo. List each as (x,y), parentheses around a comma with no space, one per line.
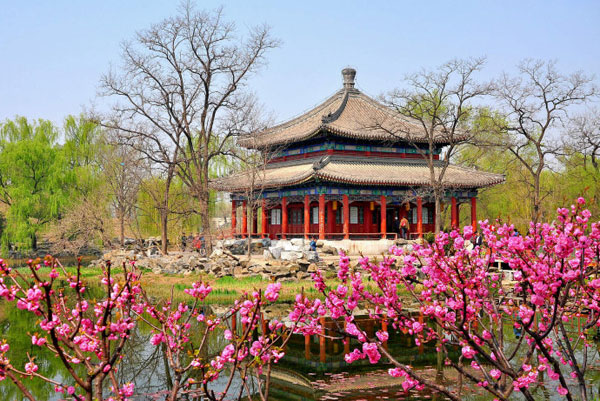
(313,367)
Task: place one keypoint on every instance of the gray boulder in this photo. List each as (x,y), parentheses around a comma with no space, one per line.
(311,256)
(276,252)
(291,255)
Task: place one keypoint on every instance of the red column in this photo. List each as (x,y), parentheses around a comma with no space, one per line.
(233,218)
(384,327)
(322,354)
(368,222)
(306,216)
(307,347)
(474,213)
(330,216)
(263,218)
(322,216)
(453,213)
(346,217)
(284,226)
(244,220)
(383,217)
(420,217)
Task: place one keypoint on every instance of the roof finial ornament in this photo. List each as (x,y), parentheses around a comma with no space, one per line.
(348,74)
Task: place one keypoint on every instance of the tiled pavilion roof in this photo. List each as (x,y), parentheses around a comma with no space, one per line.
(360,171)
(348,113)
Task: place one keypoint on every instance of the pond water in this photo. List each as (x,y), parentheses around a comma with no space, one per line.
(311,370)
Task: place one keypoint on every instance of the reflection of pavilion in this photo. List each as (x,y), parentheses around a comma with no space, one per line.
(337,172)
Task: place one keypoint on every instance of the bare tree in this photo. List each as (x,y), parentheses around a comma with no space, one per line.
(86,221)
(186,77)
(254,165)
(122,167)
(584,137)
(536,106)
(441,104)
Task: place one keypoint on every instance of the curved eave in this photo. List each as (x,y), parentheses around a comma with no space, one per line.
(251,143)
(342,180)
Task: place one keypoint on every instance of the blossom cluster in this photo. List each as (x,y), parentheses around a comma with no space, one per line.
(549,285)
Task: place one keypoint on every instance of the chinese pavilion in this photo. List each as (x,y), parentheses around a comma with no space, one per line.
(332,173)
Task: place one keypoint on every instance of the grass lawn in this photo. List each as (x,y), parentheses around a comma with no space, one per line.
(225,289)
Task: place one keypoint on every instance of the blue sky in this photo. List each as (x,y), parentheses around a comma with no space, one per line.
(52,53)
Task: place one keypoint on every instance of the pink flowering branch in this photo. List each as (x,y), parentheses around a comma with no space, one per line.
(465,302)
(71,330)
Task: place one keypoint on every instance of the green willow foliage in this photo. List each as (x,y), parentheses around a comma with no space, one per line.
(33,178)
(47,171)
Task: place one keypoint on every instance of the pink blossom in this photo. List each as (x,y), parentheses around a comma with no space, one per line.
(495,373)
(468,352)
(272,291)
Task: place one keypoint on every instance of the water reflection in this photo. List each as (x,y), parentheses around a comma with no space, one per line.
(313,368)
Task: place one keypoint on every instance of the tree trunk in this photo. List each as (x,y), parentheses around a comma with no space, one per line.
(438,211)
(164,212)
(204,197)
(122,229)
(536,199)
(250,217)
(164,226)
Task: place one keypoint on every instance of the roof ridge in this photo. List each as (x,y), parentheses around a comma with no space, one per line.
(302,116)
(331,117)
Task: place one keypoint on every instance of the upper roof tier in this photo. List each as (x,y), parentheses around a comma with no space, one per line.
(355,171)
(348,113)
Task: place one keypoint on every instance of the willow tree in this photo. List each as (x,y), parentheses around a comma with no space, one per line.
(186,77)
(33,183)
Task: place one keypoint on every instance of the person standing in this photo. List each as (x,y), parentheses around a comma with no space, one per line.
(183,241)
(313,246)
(396,226)
(404,227)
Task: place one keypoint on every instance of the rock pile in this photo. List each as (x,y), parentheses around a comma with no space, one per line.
(222,262)
(286,250)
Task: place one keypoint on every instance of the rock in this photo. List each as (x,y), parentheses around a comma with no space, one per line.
(311,256)
(267,255)
(216,253)
(303,276)
(266,242)
(276,252)
(283,243)
(303,264)
(297,241)
(290,255)
(328,250)
(320,244)
(312,268)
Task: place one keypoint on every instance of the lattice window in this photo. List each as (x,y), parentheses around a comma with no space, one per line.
(275,217)
(315,215)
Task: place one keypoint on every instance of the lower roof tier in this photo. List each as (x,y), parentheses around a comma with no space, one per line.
(357,172)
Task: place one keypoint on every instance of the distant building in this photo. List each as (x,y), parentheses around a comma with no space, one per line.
(336,175)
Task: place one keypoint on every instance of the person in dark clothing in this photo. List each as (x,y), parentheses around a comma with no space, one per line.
(313,246)
(183,241)
(478,240)
(396,226)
